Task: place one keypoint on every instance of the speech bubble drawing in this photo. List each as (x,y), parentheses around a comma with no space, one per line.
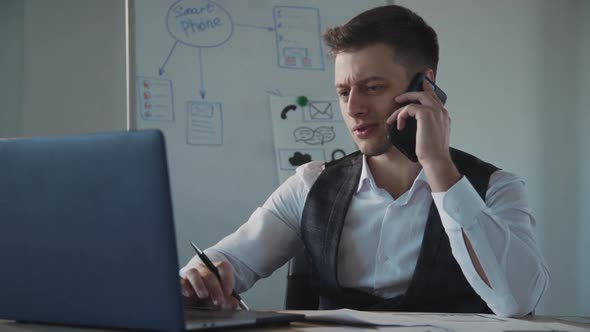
(327,133)
(303,134)
(317,136)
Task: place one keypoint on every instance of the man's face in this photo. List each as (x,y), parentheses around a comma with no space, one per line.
(367,81)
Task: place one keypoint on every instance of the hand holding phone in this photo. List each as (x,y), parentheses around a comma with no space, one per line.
(405,139)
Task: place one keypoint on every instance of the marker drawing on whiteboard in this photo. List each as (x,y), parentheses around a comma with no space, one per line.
(302,101)
(287,109)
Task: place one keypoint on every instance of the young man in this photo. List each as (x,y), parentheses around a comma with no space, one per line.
(449,233)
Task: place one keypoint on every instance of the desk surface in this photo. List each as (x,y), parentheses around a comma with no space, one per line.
(575,322)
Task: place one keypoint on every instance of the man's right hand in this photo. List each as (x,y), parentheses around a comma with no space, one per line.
(200,284)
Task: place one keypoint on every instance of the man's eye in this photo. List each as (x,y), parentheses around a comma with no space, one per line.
(374,88)
(343,93)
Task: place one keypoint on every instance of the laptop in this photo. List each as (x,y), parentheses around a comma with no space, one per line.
(87,236)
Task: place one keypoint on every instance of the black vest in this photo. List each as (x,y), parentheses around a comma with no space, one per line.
(438,284)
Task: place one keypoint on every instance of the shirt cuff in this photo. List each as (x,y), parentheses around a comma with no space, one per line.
(459,206)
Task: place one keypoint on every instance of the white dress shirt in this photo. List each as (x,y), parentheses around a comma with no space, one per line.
(382,236)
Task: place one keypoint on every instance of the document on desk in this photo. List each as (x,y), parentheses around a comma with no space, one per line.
(433,322)
(355,317)
(458,322)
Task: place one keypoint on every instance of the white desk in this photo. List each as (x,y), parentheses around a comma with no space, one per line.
(10,326)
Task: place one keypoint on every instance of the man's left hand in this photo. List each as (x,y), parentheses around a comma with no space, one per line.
(432,135)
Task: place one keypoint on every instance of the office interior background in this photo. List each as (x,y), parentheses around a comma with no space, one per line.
(517,72)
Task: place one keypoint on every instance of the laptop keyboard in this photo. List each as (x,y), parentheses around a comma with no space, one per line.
(200,314)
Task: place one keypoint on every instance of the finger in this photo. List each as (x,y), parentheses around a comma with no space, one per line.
(429,89)
(194,278)
(446,112)
(186,288)
(227,277)
(416,97)
(403,116)
(409,97)
(213,286)
(231,303)
(408,111)
(393,117)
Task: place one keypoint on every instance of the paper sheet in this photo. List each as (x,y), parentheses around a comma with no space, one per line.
(423,322)
(354,317)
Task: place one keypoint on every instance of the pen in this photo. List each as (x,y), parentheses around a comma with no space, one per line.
(213,269)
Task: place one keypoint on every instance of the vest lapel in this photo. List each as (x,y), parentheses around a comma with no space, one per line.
(328,208)
(430,245)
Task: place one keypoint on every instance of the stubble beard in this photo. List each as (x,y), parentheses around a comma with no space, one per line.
(374,149)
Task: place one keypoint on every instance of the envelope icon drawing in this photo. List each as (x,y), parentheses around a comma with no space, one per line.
(203,110)
(321,110)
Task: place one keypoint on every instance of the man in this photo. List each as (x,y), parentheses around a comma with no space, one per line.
(449,233)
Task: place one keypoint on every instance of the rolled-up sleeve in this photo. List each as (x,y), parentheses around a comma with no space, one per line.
(272,234)
(501,232)
(259,247)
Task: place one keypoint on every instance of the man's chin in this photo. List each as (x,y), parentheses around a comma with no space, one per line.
(373,150)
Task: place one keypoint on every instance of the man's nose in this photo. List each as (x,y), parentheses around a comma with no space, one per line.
(356,103)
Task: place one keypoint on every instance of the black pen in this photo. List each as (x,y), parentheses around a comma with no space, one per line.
(213,269)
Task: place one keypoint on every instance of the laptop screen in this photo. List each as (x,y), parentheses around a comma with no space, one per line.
(87,233)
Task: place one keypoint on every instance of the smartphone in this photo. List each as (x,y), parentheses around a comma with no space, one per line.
(405,140)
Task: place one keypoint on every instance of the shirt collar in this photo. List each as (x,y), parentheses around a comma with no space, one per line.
(367,181)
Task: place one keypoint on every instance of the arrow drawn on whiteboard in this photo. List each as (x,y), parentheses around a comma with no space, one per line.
(256,26)
(162,68)
(274,92)
(202,91)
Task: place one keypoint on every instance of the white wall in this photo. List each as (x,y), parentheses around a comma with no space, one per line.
(583,70)
(509,68)
(11,67)
(74,66)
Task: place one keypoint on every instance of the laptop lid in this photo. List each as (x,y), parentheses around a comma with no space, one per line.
(86,232)
(87,236)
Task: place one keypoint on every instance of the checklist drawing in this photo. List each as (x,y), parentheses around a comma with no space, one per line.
(298,31)
(155,99)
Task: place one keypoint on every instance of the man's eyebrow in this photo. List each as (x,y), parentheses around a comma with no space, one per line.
(371,78)
(363,81)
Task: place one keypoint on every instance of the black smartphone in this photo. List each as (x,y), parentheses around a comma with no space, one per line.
(405,140)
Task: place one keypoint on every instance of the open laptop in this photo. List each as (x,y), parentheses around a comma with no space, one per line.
(87,236)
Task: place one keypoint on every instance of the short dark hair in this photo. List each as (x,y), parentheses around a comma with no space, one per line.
(414,42)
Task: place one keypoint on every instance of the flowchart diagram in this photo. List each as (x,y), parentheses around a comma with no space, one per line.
(204,24)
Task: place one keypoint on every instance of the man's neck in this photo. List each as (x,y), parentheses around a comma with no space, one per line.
(393,172)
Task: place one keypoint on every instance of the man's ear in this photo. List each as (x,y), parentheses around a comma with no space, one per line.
(430,74)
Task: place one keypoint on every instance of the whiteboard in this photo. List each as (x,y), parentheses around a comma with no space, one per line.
(312,130)
(205,72)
